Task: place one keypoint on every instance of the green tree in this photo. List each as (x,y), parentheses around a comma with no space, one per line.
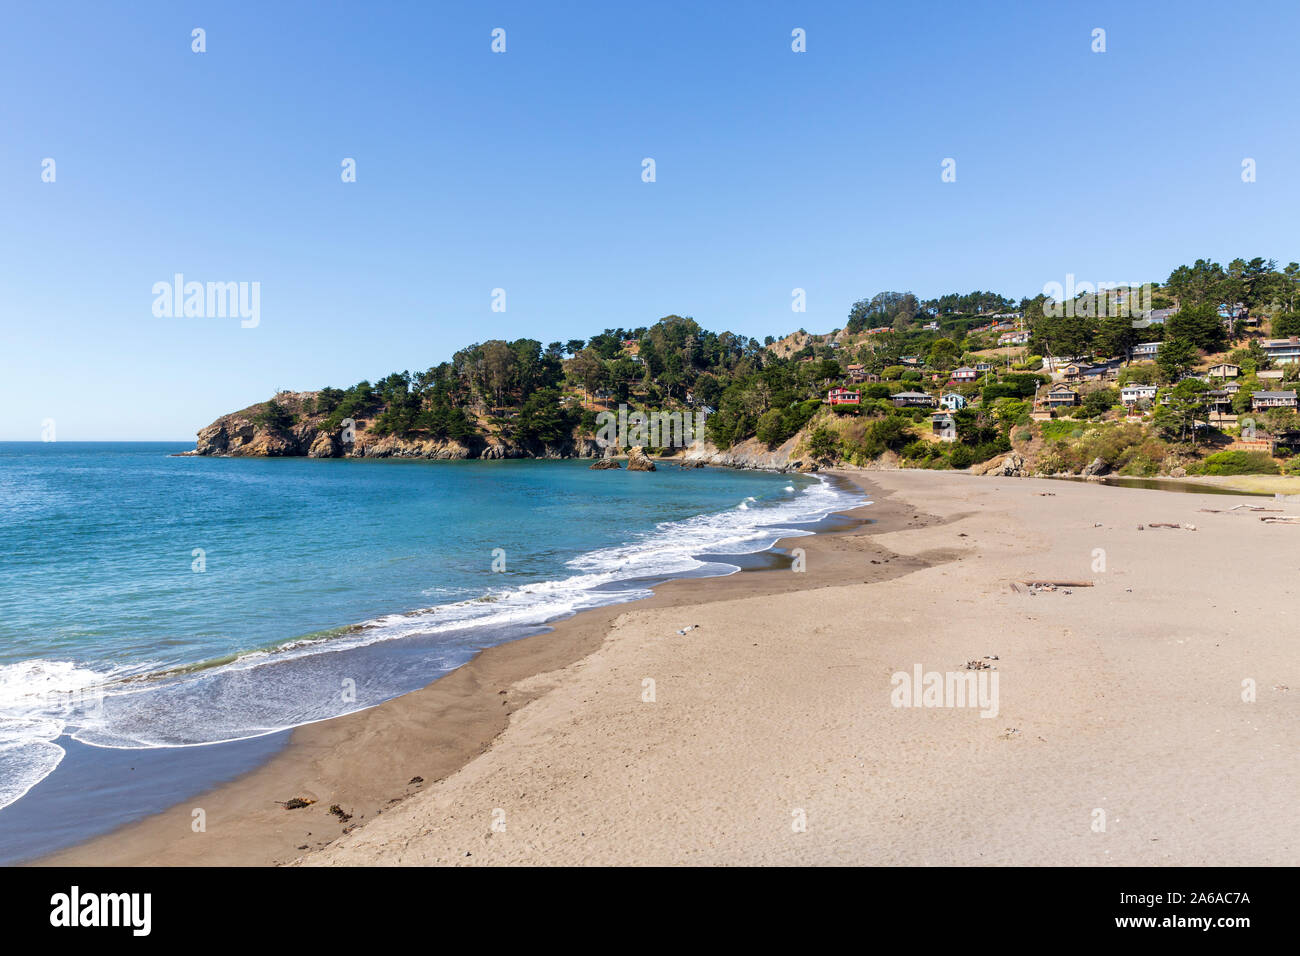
(1198,324)
(1186,403)
(1176,356)
(944,354)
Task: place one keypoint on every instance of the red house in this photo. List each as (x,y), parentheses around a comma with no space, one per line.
(842,396)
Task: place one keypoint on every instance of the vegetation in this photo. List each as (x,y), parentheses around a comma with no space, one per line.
(773,390)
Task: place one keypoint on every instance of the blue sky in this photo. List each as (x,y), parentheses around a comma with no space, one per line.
(522,171)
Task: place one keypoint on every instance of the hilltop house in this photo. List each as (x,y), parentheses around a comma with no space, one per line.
(1262,400)
(1224,370)
(1282,351)
(1132,394)
(964,374)
(839,395)
(952,401)
(1062,396)
(1013,338)
(1146,350)
(913,400)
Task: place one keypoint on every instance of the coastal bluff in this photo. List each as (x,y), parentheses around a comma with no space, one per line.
(248,434)
(252,433)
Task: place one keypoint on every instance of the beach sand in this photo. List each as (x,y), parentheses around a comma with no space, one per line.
(1121,737)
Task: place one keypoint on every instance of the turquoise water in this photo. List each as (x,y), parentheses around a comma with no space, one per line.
(154,601)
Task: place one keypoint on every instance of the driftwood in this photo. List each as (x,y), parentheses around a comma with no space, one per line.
(1282,519)
(1033,587)
(1237,508)
(1166,524)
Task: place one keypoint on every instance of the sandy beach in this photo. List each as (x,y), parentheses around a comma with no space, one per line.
(768,734)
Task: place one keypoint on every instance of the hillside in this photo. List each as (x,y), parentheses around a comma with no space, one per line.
(952,382)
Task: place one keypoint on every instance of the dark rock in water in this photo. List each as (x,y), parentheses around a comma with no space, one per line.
(806,466)
(600,464)
(691,464)
(637,460)
(1097,467)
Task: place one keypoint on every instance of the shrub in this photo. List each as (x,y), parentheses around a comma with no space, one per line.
(1238,463)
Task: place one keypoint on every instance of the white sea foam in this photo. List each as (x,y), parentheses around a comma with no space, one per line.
(37,700)
(264,692)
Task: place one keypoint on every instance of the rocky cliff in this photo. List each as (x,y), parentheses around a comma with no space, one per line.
(243,435)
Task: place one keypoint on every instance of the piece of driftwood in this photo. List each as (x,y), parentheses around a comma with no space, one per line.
(1166,524)
(1235,510)
(1022,587)
(1281,519)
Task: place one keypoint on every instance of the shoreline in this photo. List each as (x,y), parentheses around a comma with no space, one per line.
(366,762)
(1122,734)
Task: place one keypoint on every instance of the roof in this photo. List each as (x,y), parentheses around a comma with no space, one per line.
(1272,394)
(911,395)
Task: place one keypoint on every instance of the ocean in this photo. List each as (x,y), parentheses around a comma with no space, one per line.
(151,602)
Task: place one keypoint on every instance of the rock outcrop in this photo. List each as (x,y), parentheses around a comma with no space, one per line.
(1010,465)
(602,464)
(638,460)
(1096,468)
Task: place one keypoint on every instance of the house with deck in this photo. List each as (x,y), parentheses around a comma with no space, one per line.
(839,395)
(1062,396)
(913,400)
(1146,350)
(952,401)
(1263,400)
(964,374)
(1282,351)
(1018,337)
(1132,394)
(1220,402)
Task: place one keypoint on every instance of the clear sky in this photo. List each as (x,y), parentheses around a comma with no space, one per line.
(522,171)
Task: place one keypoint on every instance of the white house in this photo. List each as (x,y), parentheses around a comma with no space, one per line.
(1132,394)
